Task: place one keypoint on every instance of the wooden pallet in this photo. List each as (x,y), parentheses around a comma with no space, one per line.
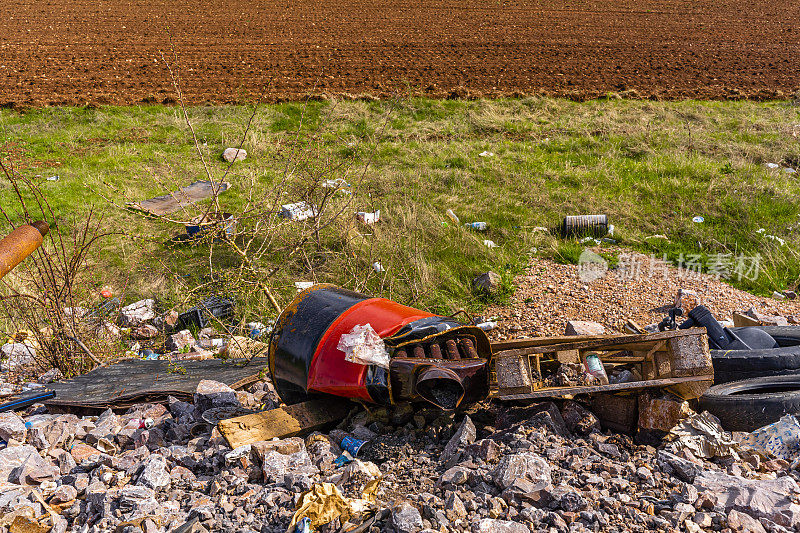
(677,360)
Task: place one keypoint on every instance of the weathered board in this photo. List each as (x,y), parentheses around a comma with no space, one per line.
(132,381)
(283,422)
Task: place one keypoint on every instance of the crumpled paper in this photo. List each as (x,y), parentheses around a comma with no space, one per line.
(781,438)
(703,435)
(323,503)
(364,347)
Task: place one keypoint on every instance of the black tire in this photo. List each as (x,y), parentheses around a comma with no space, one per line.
(733,365)
(752,403)
(783,335)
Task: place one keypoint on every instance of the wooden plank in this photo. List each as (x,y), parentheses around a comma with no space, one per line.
(626,342)
(283,422)
(513,344)
(556,392)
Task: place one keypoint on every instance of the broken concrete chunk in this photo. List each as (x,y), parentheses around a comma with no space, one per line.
(464,435)
(154,474)
(579,419)
(581,327)
(234,154)
(772,499)
(137,313)
(488,282)
(527,466)
(12,427)
(182,341)
(406,518)
(214,394)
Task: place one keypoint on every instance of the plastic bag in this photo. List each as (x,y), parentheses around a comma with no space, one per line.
(781,438)
(364,347)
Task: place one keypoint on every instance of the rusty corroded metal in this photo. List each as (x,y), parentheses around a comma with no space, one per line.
(21,243)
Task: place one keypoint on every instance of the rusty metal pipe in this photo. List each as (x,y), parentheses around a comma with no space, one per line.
(468,348)
(440,386)
(21,243)
(435,351)
(452,349)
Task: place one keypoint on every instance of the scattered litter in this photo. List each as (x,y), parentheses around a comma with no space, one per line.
(540,229)
(209,309)
(789,170)
(175,201)
(343,459)
(587,240)
(303,285)
(766,235)
(657,237)
(698,220)
(773,165)
(324,503)
(781,438)
(453,217)
(489,243)
(594,368)
(778,295)
(703,436)
(611,230)
(352,445)
(480,226)
(54,178)
(486,154)
(377,267)
(256,329)
(368,218)
(25,399)
(364,347)
(487,325)
(337,183)
(581,225)
(299,211)
(203,223)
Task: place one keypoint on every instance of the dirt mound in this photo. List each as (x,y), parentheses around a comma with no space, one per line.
(84,52)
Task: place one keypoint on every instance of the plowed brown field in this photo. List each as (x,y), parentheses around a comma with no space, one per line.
(108,51)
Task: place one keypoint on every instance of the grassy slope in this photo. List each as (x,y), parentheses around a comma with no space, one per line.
(651,166)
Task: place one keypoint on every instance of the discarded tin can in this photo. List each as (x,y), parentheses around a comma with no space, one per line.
(582,225)
(352,445)
(432,358)
(21,243)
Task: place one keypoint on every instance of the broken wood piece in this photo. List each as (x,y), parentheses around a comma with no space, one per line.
(283,422)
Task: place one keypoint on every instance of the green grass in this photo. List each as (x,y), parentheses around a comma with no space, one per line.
(651,166)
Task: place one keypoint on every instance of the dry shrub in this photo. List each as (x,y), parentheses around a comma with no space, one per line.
(50,296)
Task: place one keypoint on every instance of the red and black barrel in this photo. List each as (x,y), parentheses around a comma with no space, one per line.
(304,360)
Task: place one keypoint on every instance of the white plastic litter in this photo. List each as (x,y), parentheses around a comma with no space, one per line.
(698,220)
(781,438)
(486,154)
(364,347)
(773,165)
(303,285)
(489,244)
(338,183)
(299,211)
(368,218)
(377,267)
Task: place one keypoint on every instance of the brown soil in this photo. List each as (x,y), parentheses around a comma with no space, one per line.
(68,52)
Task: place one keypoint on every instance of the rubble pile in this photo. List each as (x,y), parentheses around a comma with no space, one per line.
(497,469)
